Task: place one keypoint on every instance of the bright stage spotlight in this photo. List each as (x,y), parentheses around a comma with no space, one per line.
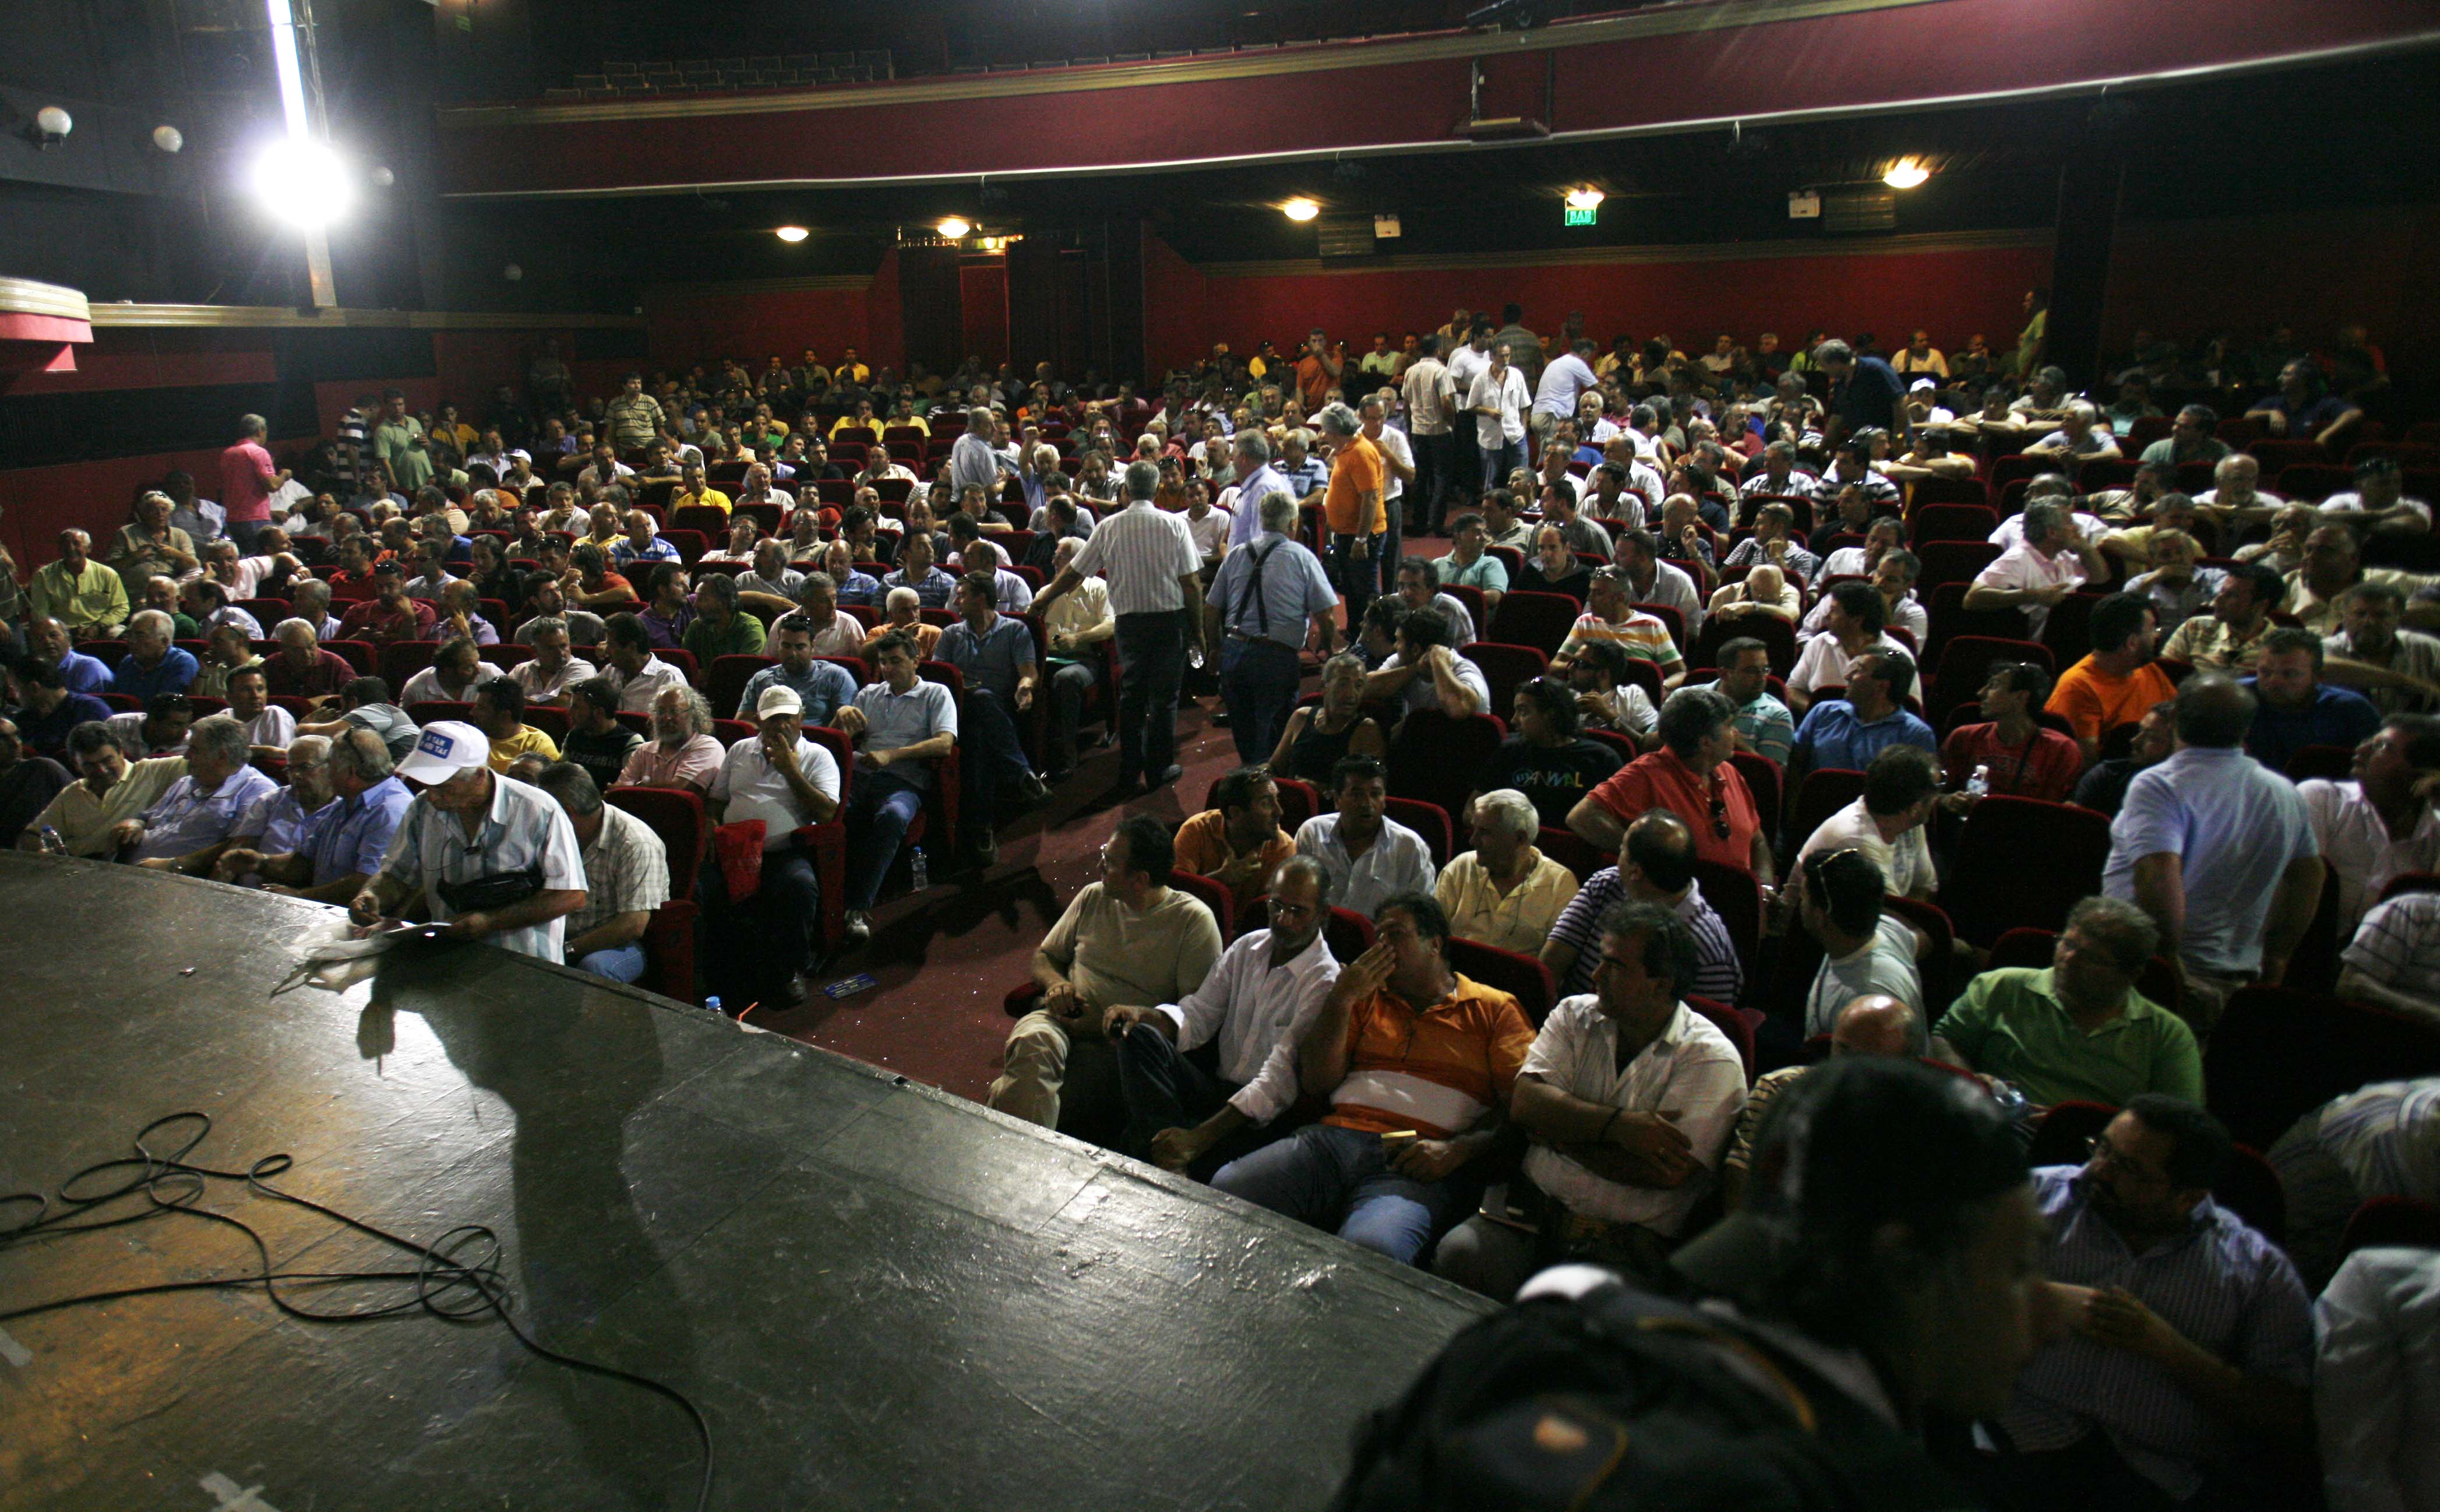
(303,182)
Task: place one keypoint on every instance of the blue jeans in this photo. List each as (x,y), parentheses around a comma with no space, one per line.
(1435,469)
(1259,678)
(1070,683)
(1151,662)
(619,962)
(243,533)
(880,806)
(1339,1179)
(1359,580)
(992,754)
(1498,465)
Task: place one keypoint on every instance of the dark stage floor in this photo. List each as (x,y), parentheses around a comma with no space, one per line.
(878,1294)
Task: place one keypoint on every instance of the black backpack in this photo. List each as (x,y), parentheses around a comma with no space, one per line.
(1623,1399)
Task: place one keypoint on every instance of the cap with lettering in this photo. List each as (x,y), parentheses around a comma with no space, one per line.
(446,748)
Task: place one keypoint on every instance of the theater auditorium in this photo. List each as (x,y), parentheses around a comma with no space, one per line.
(1253,755)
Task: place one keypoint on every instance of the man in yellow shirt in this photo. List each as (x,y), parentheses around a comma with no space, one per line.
(694,491)
(112,790)
(79,592)
(499,712)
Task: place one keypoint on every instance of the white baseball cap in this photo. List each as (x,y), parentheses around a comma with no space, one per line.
(446,748)
(778,699)
(1921,384)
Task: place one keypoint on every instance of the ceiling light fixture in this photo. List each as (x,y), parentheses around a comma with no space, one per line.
(955,227)
(1586,198)
(1300,209)
(792,234)
(1906,173)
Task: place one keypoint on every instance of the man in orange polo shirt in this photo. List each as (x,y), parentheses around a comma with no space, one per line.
(1359,522)
(1692,777)
(1418,1063)
(2118,682)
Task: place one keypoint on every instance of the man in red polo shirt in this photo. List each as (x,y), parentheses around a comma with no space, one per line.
(1692,777)
(248,479)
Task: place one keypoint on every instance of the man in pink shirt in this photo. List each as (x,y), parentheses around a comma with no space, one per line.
(247,481)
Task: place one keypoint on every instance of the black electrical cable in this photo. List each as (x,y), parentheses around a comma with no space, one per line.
(457,1277)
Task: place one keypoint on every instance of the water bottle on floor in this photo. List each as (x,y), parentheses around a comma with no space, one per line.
(919,869)
(52,844)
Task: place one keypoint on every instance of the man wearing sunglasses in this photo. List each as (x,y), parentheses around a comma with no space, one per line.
(2189,1367)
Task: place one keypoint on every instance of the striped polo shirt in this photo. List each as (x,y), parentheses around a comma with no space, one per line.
(1434,1072)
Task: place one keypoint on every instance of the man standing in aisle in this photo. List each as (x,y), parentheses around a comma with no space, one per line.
(1155,580)
(1261,605)
(1354,511)
(1431,396)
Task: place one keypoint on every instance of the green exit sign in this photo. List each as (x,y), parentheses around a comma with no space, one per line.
(1587,216)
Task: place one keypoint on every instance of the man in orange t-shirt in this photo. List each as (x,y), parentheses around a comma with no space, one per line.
(1352,508)
(2119,681)
(1317,367)
(1419,1063)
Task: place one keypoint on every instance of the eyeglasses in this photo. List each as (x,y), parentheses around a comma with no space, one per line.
(2102,1152)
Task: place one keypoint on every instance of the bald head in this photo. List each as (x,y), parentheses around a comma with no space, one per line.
(1877,1024)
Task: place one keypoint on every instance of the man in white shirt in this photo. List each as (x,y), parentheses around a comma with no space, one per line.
(1253,1009)
(1368,857)
(1864,950)
(753,949)
(2378,825)
(2039,571)
(1563,382)
(2376,1380)
(1498,399)
(550,671)
(1630,1097)
(1429,393)
(269,728)
(1888,823)
(639,676)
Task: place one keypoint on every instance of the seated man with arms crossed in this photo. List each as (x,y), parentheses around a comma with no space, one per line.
(1129,938)
(1418,1064)
(1630,1097)
(1253,1009)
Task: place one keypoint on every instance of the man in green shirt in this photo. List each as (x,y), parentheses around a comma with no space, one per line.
(398,446)
(79,592)
(633,418)
(2077,1030)
(720,628)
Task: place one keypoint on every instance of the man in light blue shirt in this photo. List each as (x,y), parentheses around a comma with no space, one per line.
(1268,597)
(2218,850)
(822,688)
(995,654)
(190,825)
(1249,453)
(900,724)
(1846,733)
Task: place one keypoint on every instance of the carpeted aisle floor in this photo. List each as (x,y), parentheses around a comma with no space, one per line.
(946,958)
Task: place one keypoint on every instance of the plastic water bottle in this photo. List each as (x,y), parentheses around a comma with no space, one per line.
(52,844)
(1979,785)
(713,1003)
(919,869)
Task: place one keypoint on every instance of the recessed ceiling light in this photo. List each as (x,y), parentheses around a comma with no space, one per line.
(1906,173)
(792,233)
(1300,208)
(955,227)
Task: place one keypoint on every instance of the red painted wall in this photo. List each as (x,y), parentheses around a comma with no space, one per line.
(1953,293)
(1692,62)
(96,498)
(752,324)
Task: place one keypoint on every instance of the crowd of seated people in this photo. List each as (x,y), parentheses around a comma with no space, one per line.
(2144,674)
